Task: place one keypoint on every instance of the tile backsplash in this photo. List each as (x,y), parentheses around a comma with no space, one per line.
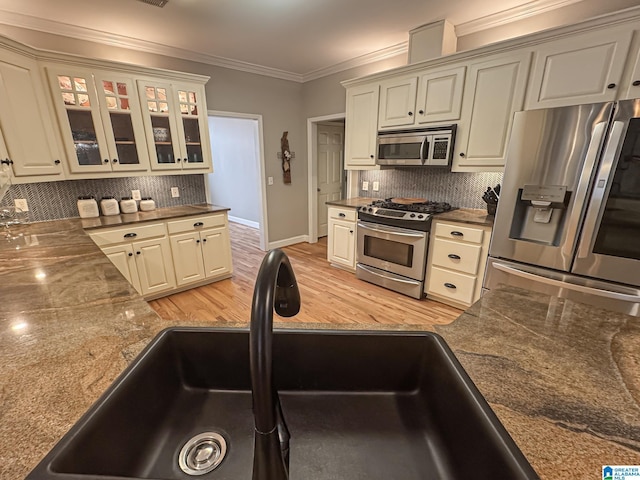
(462,190)
(55,200)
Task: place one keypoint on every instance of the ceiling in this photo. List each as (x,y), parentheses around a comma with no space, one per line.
(283,37)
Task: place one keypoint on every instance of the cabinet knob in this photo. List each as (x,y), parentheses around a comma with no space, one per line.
(611,85)
(197,241)
(178,160)
(138,253)
(186,160)
(350,231)
(130,254)
(453,256)
(204,240)
(450,285)
(57,162)
(115,160)
(421,112)
(411,114)
(636,83)
(371,156)
(106,160)
(462,154)
(457,234)
(6,161)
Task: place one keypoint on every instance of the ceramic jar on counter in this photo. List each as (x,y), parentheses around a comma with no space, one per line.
(87,206)
(147,204)
(128,205)
(109,206)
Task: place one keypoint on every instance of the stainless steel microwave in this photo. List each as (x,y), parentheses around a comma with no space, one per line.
(416,148)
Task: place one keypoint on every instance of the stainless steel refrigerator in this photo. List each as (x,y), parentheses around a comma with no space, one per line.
(568,219)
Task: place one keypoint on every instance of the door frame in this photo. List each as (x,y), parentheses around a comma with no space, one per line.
(264,226)
(312,169)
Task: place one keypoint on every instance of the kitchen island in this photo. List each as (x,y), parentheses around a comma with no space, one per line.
(563,378)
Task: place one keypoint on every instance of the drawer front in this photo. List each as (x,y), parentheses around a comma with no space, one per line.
(197,223)
(348,214)
(457,232)
(456,286)
(459,256)
(127,234)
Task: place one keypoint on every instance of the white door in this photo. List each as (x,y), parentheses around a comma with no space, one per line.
(187,257)
(216,251)
(153,261)
(361,126)
(341,249)
(397,102)
(123,258)
(330,170)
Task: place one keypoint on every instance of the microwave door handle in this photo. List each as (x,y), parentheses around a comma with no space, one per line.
(582,188)
(569,286)
(423,154)
(601,189)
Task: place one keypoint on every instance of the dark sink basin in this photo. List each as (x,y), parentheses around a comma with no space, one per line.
(359,405)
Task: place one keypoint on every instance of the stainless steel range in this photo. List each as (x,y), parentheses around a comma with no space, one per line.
(393,237)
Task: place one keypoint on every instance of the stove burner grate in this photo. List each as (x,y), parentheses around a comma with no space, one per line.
(424,207)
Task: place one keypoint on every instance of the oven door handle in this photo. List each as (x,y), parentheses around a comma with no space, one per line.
(368,270)
(391,230)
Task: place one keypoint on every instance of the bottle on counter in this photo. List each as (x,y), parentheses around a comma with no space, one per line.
(87,206)
(128,205)
(109,205)
(147,204)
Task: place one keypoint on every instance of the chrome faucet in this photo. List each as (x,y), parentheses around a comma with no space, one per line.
(276,288)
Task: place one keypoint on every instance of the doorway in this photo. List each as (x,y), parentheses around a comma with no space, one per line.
(238,169)
(327,178)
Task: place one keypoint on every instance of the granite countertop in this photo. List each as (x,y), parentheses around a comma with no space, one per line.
(563,378)
(355,202)
(472,216)
(157,214)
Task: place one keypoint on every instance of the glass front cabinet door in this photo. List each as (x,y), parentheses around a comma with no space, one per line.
(175,118)
(100,120)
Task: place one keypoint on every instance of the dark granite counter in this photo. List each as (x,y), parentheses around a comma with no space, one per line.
(355,202)
(157,214)
(467,215)
(564,378)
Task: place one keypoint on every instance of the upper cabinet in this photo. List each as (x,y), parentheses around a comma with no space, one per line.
(175,117)
(434,96)
(361,127)
(100,120)
(30,145)
(583,68)
(494,91)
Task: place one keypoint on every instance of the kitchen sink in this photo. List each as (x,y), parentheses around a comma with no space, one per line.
(358,405)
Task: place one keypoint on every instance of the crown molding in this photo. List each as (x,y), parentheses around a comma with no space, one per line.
(82,33)
(383,54)
(530,9)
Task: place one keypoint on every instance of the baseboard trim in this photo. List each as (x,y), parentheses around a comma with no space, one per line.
(242,221)
(288,241)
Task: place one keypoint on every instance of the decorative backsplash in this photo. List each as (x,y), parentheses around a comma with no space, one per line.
(462,190)
(54,200)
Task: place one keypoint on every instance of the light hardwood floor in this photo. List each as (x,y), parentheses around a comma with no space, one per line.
(329,294)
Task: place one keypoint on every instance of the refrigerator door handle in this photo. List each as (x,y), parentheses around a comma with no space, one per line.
(601,189)
(569,286)
(582,188)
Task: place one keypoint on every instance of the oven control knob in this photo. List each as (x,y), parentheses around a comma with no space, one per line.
(412,215)
(420,216)
(370,209)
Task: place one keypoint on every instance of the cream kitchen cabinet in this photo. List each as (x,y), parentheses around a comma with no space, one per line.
(494,90)
(434,96)
(456,263)
(30,145)
(175,118)
(584,68)
(341,240)
(201,248)
(142,254)
(100,119)
(361,127)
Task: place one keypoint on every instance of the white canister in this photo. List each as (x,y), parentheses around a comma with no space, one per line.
(147,204)
(109,206)
(128,205)
(88,207)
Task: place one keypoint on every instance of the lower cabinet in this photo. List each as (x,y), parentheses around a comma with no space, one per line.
(164,257)
(201,248)
(341,240)
(142,254)
(456,264)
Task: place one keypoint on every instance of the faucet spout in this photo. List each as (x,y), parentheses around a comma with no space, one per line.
(276,288)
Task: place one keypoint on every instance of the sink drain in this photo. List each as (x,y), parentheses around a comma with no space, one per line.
(202,453)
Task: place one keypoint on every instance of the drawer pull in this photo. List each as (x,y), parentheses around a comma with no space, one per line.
(130,235)
(453,256)
(455,233)
(450,285)
(341,215)
(198,224)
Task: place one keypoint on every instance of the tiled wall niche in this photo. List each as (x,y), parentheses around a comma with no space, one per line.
(55,200)
(462,190)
